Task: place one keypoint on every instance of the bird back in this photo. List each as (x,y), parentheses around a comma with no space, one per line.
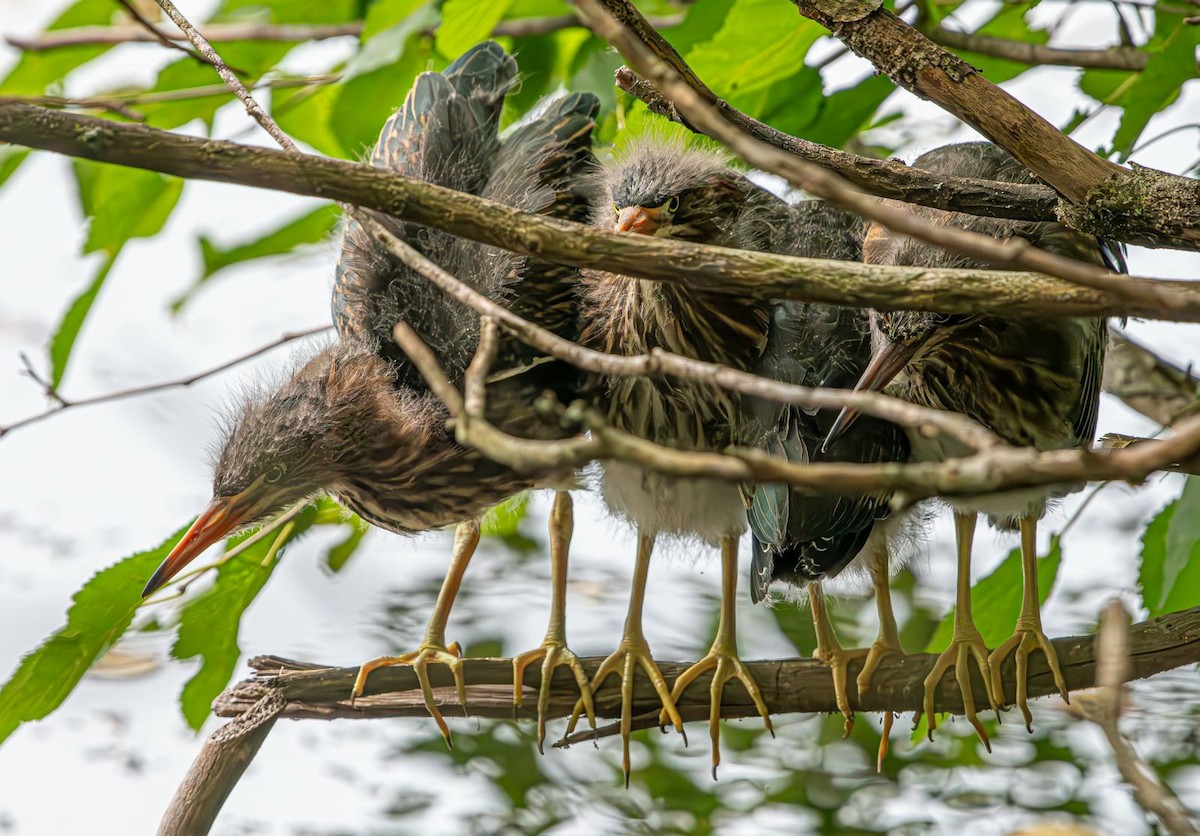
(799,536)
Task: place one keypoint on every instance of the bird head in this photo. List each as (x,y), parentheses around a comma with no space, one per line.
(282,447)
(663,188)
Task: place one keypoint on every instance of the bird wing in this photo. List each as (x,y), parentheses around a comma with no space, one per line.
(444,133)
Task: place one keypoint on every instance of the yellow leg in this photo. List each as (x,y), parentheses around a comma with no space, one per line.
(888,640)
(434,648)
(553,651)
(723,658)
(966,642)
(831,652)
(1028,636)
(632,653)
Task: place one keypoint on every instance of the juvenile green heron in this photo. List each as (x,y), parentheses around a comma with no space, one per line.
(1033,381)
(358,422)
(662,188)
(801,538)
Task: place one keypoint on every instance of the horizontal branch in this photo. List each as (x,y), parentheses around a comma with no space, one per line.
(1139,205)
(788,685)
(1034,54)
(715,269)
(882,178)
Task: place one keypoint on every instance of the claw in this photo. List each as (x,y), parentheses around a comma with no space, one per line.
(419,659)
(552,654)
(965,645)
(876,653)
(838,659)
(1027,638)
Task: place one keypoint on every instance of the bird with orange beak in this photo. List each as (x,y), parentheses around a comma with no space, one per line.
(358,422)
(667,189)
(1033,381)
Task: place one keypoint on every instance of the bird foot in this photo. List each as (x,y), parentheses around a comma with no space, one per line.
(1027,638)
(838,659)
(876,653)
(632,653)
(966,644)
(420,659)
(552,653)
(723,661)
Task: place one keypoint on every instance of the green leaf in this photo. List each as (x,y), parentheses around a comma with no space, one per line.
(996,599)
(366,101)
(35,71)
(503,519)
(385,14)
(310,228)
(466,23)
(339,553)
(122,203)
(304,114)
(1170,566)
(100,613)
(11,157)
(1157,85)
(209,623)
(1009,23)
(68,329)
(846,112)
(760,42)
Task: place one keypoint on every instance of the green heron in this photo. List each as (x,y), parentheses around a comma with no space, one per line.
(663,188)
(801,538)
(1033,381)
(358,422)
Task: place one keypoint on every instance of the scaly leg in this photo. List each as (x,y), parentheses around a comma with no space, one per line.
(832,653)
(722,658)
(553,651)
(888,640)
(632,653)
(434,648)
(1028,636)
(966,642)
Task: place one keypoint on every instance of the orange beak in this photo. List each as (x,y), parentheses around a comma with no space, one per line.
(217,521)
(637,219)
(882,369)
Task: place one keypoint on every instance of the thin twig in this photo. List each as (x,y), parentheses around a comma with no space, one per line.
(135,391)
(157,34)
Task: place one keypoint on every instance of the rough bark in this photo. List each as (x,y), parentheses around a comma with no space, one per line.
(711,268)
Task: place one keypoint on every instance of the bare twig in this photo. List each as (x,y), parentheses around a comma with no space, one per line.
(156,34)
(1104,709)
(1034,54)
(135,391)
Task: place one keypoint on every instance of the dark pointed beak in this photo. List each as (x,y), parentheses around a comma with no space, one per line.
(883,368)
(637,219)
(223,516)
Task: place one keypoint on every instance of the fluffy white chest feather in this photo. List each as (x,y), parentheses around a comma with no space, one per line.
(656,504)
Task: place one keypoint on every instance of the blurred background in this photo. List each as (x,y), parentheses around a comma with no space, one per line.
(81,490)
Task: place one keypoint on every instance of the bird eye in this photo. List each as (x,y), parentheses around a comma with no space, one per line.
(274,474)
(616,211)
(673,204)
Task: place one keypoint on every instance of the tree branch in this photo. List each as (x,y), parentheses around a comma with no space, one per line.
(762,275)
(1111,58)
(1147,383)
(788,686)
(883,178)
(146,389)
(1143,206)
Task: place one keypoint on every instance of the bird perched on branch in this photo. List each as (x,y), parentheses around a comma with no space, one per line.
(801,538)
(1033,381)
(663,188)
(357,420)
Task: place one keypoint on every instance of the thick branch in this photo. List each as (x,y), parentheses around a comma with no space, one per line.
(788,686)
(1152,207)
(882,178)
(763,275)
(1149,384)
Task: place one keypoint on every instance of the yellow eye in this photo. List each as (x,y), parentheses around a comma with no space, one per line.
(673,204)
(616,211)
